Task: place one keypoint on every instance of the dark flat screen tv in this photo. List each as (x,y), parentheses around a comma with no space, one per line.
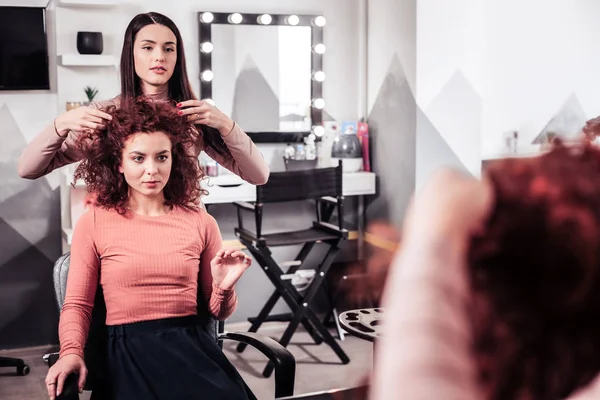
(23,49)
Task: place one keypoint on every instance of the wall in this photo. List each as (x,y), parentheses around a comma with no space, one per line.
(30,210)
(29,215)
(481,69)
(425,77)
(541,67)
(391,82)
(450,81)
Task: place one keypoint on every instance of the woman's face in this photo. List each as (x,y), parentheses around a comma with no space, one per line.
(154,55)
(147,162)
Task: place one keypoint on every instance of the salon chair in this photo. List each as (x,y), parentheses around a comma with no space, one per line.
(323,186)
(284,361)
(22,368)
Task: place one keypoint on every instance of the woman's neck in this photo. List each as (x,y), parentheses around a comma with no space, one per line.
(155,92)
(145,205)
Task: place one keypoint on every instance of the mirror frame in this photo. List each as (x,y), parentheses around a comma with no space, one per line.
(316,91)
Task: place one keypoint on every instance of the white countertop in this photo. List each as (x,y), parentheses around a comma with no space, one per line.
(221,189)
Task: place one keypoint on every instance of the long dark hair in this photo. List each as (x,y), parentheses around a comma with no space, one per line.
(179,84)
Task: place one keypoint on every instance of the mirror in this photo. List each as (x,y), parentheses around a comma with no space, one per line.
(262,76)
(263,71)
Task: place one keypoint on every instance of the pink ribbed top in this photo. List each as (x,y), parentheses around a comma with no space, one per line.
(149,268)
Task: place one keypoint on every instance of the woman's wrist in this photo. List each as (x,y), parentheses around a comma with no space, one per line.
(227,128)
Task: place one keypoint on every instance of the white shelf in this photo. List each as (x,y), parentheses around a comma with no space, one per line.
(87,60)
(89,3)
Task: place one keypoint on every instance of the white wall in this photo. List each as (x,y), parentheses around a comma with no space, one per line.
(450,82)
(538,54)
(391,82)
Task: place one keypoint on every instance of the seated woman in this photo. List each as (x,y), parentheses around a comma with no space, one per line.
(155,254)
(496,290)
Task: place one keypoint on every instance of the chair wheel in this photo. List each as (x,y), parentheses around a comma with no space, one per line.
(24,370)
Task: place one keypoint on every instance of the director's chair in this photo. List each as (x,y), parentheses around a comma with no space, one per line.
(324,186)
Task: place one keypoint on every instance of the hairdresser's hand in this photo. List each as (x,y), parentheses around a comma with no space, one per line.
(57,374)
(81,119)
(202,112)
(228,266)
(450,208)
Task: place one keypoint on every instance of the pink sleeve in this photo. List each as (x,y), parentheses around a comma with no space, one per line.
(48,151)
(82,283)
(425,350)
(221,303)
(246,160)
(45,153)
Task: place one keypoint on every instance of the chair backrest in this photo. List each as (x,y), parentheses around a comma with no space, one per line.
(301,185)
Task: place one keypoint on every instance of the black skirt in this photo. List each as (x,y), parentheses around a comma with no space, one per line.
(171,358)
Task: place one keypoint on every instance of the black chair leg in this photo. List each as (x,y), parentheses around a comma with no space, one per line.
(303,313)
(263,255)
(333,301)
(22,368)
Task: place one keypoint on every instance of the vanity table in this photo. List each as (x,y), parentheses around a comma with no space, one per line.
(230,188)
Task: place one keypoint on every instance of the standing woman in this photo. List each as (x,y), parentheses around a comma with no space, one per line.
(152,65)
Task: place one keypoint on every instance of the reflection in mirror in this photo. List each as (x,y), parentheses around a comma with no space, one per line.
(262,76)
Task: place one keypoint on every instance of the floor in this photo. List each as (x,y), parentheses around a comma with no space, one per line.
(317,367)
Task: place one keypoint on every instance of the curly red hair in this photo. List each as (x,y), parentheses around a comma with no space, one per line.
(102,154)
(537,265)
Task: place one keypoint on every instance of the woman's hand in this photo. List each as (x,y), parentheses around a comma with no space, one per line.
(228,266)
(202,112)
(57,374)
(81,119)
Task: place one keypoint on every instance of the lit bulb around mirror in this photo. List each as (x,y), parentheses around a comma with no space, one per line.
(320,21)
(318,130)
(235,18)
(319,48)
(318,103)
(319,76)
(265,19)
(292,20)
(207,17)
(206,47)
(207,75)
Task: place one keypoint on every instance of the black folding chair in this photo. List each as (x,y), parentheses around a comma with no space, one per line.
(324,186)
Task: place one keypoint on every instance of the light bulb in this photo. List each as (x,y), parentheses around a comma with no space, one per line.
(319,103)
(319,76)
(320,48)
(318,130)
(207,75)
(320,21)
(265,19)
(206,47)
(235,18)
(293,20)
(207,17)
